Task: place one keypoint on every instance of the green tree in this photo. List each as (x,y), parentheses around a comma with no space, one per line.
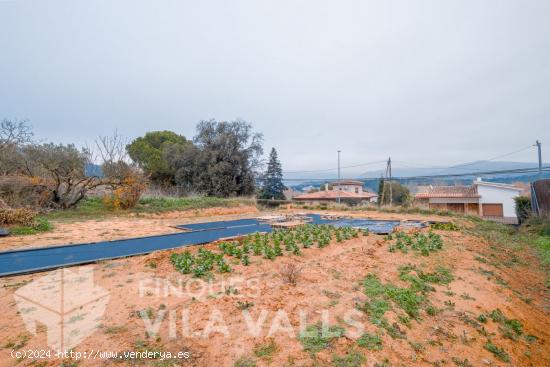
(223,161)
(149,153)
(399,193)
(273,179)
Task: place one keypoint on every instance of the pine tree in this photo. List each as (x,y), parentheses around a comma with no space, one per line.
(273,179)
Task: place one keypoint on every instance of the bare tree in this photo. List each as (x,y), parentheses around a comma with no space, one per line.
(63,167)
(115,161)
(13,135)
(112,148)
(14,132)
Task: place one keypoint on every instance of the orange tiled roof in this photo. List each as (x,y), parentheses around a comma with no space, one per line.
(333,194)
(449,192)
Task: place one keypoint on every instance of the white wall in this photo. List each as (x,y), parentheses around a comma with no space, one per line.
(495,195)
(350,188)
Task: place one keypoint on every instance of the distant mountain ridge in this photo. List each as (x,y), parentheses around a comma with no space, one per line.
(473,168)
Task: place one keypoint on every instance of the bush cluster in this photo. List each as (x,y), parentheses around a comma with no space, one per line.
(125,196)
(20,216)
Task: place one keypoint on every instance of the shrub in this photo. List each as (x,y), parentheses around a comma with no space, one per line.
(21,216)
(22,191)
(125,196)
(445,226)
(39,224)
(290,273)
(523,208)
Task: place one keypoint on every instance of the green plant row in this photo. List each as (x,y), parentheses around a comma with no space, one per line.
(419,242)
(267,245)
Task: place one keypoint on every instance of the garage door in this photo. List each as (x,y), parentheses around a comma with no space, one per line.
(492,210)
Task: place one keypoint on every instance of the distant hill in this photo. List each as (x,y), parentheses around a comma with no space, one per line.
(93,170)
(479,166)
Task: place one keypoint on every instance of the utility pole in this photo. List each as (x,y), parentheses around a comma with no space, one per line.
(540,157)
(339,188)
(389,170)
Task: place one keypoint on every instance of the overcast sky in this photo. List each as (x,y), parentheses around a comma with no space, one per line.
(427,82)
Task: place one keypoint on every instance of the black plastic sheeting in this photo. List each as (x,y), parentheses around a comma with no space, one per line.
(37,259)
(219,225)
(43,258)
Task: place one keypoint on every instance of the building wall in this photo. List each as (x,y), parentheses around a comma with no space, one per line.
(349,188)
(495,195)
(466,208)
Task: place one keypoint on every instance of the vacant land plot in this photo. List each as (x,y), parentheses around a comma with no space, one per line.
(308,297)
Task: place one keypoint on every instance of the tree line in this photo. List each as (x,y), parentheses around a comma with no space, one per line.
(223,159)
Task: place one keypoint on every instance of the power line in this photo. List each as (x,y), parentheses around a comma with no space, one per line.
(461,166)
(476,173)
(464,165)
(497,157)
(335,169)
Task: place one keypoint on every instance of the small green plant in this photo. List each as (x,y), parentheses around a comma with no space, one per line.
(431,310)
(38,225)
(376,309)
(18,343)
(114,329)
(316,337)
(353,358)
(417,347)
(461,362)
(444,226)
(370,341)
(244,305)
(266,351)
(245,361)
(498,352)
(450,304)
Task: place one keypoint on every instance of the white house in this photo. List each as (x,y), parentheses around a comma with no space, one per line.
(487,199)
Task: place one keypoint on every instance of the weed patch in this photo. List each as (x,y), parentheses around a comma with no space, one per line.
(266,351)
(38,225)
(498,352)
(353,358)
(419,242)
(370,341)
(316,338)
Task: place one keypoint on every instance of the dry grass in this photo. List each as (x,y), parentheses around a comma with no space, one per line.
(290,273)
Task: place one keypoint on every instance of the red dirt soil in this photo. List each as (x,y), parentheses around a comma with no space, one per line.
(330,280)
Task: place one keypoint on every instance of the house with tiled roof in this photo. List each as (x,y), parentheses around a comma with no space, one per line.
(347,191)
(486,199)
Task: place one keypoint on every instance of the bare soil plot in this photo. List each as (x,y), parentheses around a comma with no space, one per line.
(463,305)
